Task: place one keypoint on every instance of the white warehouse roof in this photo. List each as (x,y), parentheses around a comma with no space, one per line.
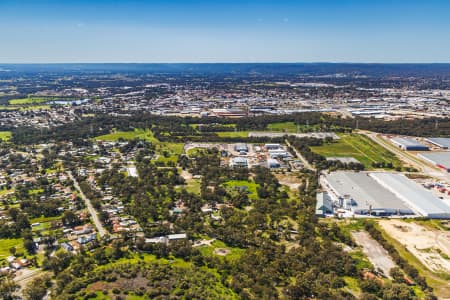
(415,195)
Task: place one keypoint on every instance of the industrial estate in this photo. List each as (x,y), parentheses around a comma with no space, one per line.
(241,181)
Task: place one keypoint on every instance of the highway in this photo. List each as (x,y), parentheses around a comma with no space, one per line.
(409,158)
(100,229)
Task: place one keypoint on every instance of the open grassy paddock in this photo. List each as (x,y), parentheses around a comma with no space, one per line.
(166,151)
(250,186)
(359,147)
(6,244)
(5,135)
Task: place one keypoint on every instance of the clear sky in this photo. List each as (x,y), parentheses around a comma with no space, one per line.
(224,31)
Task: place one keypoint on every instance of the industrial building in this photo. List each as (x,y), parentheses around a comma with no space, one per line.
(324,204)
(439,159)
(409,144)
(272,146)
(239,162)
(359,193)
(241,147)
(273,163)
(280,153)
(414,195)
(443,143)
(382,194)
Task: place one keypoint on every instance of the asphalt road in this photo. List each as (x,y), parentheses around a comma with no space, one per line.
(299,155)
(409,158)
(100,229)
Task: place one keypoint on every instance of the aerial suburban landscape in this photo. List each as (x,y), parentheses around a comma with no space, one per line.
(163,181)
(226,149)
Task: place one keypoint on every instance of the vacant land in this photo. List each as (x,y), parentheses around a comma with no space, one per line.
(291,127)
(5,135)
(247,186)
(431,247)
(29,100)
(6,244)
(359,147)
(166,151)
(128,135)
(233,133)
(379,257)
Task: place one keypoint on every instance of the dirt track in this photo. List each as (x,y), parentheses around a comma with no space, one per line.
(377,255)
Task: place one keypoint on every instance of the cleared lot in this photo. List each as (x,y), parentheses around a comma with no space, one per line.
(377,255)
(431,247)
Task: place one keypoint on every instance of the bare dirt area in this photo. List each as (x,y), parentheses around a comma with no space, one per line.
(377,255)
(289,180)
(431,247)
(221,251)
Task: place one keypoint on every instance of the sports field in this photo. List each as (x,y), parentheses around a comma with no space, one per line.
(359,147)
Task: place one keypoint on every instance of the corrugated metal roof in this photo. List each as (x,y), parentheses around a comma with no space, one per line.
(415,195)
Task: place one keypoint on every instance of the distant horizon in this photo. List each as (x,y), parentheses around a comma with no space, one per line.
(224,31)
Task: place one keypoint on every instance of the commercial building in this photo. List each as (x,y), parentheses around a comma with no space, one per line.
(439,159)
(409,144)
(359,193)
(239,162)
(241,147)
(414,195)
(324,204)
(273,163)
(443,143)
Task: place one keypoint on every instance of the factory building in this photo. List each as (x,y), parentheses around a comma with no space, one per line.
(360,194)
(443,143)
(409,144)
(324,204)
(439,159)
(414,195)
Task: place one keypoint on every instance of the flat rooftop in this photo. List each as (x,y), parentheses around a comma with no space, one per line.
(414,194)
(365,191)
(441,142)
(438,158)
(407,142)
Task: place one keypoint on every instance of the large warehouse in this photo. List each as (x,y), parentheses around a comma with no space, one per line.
(439,159)
(443,143)
(414,195)
(360,193)
(382,194)
(409,144)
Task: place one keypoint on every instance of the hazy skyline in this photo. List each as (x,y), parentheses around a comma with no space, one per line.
(224,31)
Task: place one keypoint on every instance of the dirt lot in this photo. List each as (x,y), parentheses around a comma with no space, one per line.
(377,255)
(431,247)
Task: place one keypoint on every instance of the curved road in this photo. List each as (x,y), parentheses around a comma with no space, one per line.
(101,230)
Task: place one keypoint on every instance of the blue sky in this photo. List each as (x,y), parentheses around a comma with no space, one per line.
(224,31)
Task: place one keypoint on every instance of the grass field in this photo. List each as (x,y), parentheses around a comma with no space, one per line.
(359,147)
(6,244)
(233,133)
(251,187)
(29,100)
(128,135)
(166,151)
(5,135)
(291,127)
